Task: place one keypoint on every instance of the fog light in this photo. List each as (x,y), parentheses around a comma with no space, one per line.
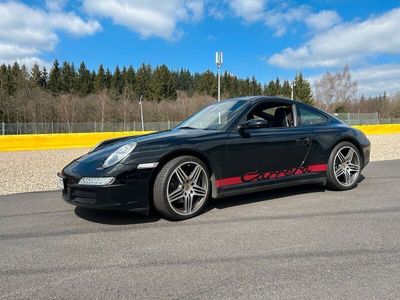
(96,180)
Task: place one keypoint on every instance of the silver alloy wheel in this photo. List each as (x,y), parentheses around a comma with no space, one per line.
(187,188)
(346,166)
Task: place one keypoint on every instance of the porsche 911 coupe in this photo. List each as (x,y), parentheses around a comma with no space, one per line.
(232,147)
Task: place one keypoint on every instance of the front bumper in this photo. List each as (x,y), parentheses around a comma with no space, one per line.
(129,196)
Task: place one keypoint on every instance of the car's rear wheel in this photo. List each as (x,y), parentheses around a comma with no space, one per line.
(181,188)
(344,166)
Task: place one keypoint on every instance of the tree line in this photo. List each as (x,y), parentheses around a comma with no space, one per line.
(70,94)
(157,83)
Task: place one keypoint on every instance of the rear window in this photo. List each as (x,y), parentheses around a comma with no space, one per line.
(307,117)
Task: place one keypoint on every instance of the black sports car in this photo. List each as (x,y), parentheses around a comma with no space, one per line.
(232,147)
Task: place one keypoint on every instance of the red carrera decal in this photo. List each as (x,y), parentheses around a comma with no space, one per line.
(258,176)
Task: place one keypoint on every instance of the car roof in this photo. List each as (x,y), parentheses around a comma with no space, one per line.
(262,98)
(255,99)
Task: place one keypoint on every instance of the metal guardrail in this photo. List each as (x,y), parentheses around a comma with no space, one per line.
(49,128)
(365,119)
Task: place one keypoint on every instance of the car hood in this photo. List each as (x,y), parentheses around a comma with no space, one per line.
(91,163)
(101,153)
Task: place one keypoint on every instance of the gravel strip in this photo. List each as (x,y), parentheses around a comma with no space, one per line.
(385,146)
(30,171)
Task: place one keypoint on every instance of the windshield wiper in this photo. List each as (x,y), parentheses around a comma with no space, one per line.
(186,127)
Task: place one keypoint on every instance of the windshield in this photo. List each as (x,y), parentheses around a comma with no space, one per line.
(217,116)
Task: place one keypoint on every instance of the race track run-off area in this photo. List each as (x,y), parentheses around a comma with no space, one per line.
(293,243)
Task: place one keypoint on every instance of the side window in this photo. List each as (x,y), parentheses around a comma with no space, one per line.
(276,114)
(306,117)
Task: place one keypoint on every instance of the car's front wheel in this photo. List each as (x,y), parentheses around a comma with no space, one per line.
(344,166)
(181,188)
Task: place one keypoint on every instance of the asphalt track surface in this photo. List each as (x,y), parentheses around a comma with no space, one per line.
(293,243)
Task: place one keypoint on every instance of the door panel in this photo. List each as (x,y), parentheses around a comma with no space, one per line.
(264,154)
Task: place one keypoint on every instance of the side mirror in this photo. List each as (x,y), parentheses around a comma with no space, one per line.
(253,123)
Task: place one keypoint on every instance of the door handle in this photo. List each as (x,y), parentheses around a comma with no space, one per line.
(305,140)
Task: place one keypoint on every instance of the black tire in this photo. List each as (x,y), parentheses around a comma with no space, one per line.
(332,181)
(160,188)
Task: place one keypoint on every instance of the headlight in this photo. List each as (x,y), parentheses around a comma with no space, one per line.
(119,155)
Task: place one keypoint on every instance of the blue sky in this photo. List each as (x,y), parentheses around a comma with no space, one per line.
(265,38)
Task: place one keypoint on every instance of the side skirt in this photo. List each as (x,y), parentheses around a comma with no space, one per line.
(271,186)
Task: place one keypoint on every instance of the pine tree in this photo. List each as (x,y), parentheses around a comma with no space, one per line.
(36,75)
(3,88)
(177,80)
(3,76)
(162,84)
(207,83)
(197,84)
(236,84)
(129,78)
(186,81)
(67,78)
(117,82)
(143,78)
(271,89)
(74,79)
(44,78)
(123,76)
(15,78)
(108,79)
(92,80)
(83,80)
(255,87)
(286,90)
(265,89)
(278,87)
(9,81)
(302,89)
(245,87)
(54,83)
(229,86)
(183,81)
(99,80)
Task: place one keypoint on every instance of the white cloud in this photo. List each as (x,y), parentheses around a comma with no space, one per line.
(9,51)
(376,79)
(345,43)
(280,16)
(248,10)
(29,62)
(27,32)
(148,17)
(323,20)
(56,4)
(281,19)
(216,11)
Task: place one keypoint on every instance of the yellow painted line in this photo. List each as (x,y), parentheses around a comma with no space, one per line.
(379,129)
(24,142)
